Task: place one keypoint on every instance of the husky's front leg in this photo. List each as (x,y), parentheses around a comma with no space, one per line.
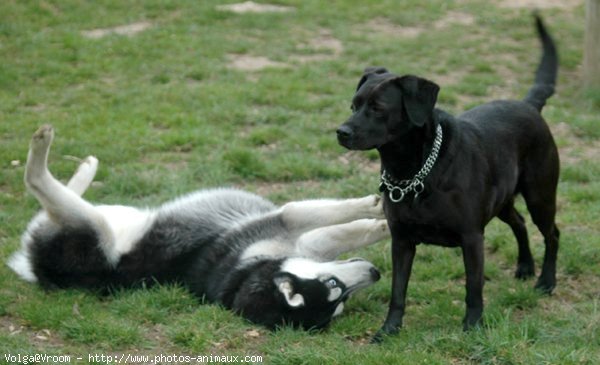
(302,216)
(326,243)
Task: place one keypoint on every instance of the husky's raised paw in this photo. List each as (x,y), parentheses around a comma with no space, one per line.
(42,138)
(376,206)
(88,165)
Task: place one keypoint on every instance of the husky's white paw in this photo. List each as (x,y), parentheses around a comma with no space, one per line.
(382,227)
(88,166)
(42,138)
(38,153)
(375,206)
(378,230)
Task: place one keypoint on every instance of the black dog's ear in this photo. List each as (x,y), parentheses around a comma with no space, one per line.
(375,70)
(418,96)
(368,72)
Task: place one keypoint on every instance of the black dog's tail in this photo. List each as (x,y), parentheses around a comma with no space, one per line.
(545,76)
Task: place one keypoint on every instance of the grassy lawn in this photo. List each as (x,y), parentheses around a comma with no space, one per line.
(176,96)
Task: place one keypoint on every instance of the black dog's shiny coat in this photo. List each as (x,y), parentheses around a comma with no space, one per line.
(489,154)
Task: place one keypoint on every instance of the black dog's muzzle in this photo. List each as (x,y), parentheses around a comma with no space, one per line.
(345,135)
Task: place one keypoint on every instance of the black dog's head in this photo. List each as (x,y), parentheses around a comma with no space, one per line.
(301,292)
(385,107)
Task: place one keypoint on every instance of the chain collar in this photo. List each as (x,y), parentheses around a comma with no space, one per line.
(398,190)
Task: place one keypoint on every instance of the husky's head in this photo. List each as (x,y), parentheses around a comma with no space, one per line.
(302,292)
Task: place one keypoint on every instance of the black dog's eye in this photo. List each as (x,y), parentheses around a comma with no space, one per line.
(376,108)
(331,283)
(353,108)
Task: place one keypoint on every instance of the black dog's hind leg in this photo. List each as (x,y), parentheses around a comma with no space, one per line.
(472,249)
(542,213)
(525,264)
(539,190)
(547,280)
(403,254)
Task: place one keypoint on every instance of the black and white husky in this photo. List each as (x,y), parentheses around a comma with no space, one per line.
(273,265)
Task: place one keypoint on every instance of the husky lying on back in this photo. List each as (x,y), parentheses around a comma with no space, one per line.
(270,264)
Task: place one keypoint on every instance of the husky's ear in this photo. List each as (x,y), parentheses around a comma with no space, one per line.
(418,96)
(368,72)
(285,286)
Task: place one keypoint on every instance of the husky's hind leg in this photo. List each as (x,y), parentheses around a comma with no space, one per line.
(327,243)
(63,205)
(302,216)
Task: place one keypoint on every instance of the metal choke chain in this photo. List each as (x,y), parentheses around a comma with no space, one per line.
(397,191)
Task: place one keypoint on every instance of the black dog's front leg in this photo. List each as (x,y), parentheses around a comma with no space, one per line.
(472,249)
(403,253)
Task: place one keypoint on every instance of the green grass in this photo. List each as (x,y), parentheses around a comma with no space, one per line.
(166,114)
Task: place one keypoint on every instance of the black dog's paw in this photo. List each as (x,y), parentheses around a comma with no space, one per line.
(545,286)
(524,271)
(470,326)
(385,331)
(473,319)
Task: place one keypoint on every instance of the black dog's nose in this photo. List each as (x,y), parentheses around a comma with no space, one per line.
(375,274)
(344,132)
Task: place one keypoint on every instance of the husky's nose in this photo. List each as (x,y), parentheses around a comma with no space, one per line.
(375,274)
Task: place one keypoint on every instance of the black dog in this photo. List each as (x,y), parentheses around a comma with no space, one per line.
(444,178)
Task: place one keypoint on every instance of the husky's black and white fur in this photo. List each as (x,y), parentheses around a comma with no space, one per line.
(270,264)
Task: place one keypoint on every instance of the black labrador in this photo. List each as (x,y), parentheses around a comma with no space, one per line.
(443,178)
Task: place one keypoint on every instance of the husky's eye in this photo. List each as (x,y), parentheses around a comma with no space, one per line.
(331,283)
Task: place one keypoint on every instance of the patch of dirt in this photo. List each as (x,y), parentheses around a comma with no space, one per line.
(571,290)
(539,4)
(252,7)
(384,26)
(50,8)
(511,81)
(450,78)
(326,41)
(452,18)
(156,334)
(576,150)
(36,338)
(246,62)
(126,30)
(324,44)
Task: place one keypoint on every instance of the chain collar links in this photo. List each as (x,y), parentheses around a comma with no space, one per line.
(398,190)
